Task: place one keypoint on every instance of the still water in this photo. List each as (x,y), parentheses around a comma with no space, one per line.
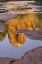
(7,50)
(14,45)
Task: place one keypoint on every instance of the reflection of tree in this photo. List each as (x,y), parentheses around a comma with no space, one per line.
(3,35)
(40,20)
(38,2)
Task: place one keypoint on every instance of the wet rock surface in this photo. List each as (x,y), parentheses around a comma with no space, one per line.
(33,56)
(2,27)
(32,34)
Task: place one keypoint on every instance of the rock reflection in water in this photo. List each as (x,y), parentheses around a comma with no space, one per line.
(16,40)
(27,21)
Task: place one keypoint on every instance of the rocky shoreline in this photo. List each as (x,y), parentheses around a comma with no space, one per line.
(33,56)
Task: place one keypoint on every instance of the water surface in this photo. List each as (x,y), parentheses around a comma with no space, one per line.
(29,18)
(7,50)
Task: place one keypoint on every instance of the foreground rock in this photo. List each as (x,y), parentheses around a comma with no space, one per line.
(32,34)
(7,16)
(33,56)
(2,27)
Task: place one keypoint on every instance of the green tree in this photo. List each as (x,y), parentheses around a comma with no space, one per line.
(38,2)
